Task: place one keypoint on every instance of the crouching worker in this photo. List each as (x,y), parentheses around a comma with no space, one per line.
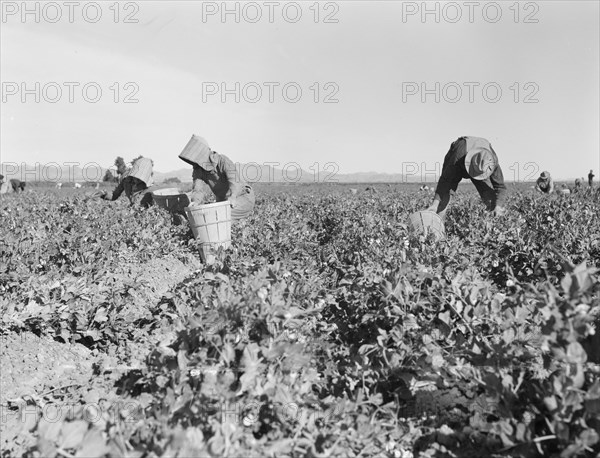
(473,158)
(3,185)
(136,184)
(217,172)
(544,183)
(17,185)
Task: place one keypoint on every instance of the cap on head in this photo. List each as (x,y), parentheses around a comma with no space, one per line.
(545,175)
(480,163)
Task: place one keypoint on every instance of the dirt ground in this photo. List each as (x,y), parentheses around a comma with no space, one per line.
(43,377)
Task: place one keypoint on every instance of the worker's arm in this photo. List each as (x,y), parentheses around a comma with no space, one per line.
(198,194)
(448,182)
(116,192)
(449,179)
(551,186)
(227,168)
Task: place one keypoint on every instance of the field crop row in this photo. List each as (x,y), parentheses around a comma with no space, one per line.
(329,329)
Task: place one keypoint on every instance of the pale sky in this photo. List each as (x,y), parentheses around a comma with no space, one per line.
(376,58)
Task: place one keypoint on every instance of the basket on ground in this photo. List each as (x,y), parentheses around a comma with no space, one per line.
(428,222)
(211,225)
(171,199)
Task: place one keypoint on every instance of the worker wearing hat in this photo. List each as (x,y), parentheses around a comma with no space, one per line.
(3,186)
(473,158)
(545,183)
(17,185)
(217,172)
(135,183)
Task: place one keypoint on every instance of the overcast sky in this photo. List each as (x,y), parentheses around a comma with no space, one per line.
(372,59)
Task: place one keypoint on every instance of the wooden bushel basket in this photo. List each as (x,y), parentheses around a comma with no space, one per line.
(211,225)
(428,222)
(171,199)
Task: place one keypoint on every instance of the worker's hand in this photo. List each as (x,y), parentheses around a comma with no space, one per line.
(499,211)
(196,197)
(434,206)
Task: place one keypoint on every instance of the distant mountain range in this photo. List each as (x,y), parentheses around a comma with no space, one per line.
(264,174)
(250,172)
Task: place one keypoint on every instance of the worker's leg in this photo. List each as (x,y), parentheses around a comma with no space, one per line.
(244,205)
(486,191)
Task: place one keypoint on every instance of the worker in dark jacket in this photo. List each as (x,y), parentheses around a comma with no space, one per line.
(17,185)
(545,183)
(135,184)
(591,178)
(473,158)
(217,173)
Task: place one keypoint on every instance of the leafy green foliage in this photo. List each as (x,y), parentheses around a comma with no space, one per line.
(329,329)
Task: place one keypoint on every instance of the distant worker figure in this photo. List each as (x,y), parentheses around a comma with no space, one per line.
(578,186)
(218,172)
(17,185)
(591,178)
(544,183)
(135,183)
(473,158)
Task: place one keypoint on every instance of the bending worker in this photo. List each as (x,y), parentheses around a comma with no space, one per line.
(17,185)
(218,172)
(474,158)
(135,183)
(544,183)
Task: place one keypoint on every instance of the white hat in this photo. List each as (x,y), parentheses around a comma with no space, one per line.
(480,163)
